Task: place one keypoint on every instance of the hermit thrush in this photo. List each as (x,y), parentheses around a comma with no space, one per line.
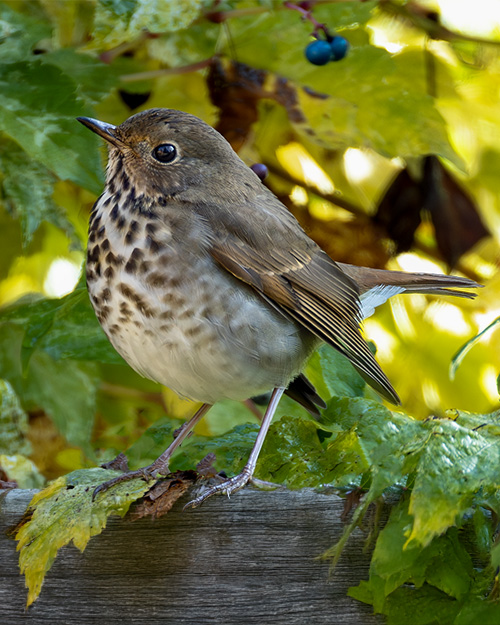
(203,281)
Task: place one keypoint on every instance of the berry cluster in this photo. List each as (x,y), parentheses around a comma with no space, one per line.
(321,52)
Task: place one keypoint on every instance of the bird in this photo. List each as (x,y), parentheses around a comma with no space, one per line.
(205,282)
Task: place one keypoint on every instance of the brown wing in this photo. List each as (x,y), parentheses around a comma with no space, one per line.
(310,287)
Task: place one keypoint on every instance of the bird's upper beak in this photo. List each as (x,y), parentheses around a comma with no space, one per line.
(103,129)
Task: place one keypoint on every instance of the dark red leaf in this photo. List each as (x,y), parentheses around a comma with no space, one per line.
(399,210)
(454,213)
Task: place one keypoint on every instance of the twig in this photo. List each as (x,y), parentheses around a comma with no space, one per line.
(169,71)
(307,15)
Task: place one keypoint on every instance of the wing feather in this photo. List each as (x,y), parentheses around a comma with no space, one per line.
(309,287)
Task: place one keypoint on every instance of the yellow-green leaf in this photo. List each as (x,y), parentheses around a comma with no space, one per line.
(64,512)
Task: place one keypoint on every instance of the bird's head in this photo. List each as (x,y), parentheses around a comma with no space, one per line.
(167,152)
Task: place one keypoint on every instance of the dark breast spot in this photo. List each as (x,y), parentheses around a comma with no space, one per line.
(106,294)
(151,228)
(193,330)
(157,279)
(137,254)
(109,273)
(114,212)
(112,259)
(173,299)
(125,309)
(103,313)
(93,254)
(135,300)
(131,266)
(152,244)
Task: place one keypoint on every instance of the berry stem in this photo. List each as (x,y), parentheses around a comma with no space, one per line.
(307,15)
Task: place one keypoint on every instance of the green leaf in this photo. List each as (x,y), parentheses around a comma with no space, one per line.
(117,21)
(152,443)
(64,513)
(66,390)
(456,463)
(389,111)
(38,106)
(13,423)
(333,375)
(457,359)
(21,470)
(444,563)
(63,328)
(421,606)
(477,611)
(231,449)
(94,79)
(19,33)
(30,195)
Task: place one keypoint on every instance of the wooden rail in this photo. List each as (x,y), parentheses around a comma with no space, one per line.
(250,560)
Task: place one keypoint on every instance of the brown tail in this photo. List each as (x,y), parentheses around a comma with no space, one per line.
(427,283)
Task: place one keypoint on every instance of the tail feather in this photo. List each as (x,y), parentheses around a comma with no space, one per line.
(427,283)
(303,392)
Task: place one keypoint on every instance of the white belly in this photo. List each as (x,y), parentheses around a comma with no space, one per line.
(205,341)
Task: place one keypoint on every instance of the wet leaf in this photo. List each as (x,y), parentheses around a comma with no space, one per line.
(64,513)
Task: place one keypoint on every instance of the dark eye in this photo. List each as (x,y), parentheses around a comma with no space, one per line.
(165,153)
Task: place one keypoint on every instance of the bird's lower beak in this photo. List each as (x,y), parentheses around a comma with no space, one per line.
(103,129)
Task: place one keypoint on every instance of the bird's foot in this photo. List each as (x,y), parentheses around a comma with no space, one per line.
(230,486)
(149,473)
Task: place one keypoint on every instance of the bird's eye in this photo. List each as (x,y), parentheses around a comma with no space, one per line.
(165,153)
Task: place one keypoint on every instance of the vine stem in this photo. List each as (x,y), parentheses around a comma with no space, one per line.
(307,15)
(158,73)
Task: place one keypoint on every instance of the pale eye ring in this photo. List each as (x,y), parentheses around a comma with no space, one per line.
(164,153)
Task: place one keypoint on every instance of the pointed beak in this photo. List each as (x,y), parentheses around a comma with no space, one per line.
(104,130)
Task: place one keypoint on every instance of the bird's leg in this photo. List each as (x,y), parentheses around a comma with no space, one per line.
(160,465)
(233,484)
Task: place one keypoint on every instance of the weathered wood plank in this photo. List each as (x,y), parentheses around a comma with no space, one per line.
(250,560)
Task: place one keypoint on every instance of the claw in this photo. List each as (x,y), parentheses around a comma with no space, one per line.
(228,487)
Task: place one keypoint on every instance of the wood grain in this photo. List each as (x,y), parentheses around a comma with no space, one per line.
(250,560)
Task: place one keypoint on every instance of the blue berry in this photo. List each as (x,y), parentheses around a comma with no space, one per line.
(260,169)
(318,52)
(338,48)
